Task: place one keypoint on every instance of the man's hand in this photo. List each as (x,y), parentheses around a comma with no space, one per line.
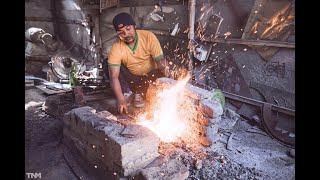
(115,84)
(166,72)
(164,67)
(122,106)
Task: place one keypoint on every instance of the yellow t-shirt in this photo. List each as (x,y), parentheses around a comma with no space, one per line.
(141,58)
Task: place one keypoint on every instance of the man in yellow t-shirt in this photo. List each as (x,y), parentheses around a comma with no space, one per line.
(137,58)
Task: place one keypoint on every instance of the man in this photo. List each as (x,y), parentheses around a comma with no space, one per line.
(137,58)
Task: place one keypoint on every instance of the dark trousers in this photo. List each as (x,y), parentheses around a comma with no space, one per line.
(137,84)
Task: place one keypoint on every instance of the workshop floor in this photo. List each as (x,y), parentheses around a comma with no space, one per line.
(43,134)
(253,155)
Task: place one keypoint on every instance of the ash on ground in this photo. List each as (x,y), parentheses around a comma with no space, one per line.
(204,164)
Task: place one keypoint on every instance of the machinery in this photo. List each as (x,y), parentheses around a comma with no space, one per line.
(39,42)
(63,67)
(68,68)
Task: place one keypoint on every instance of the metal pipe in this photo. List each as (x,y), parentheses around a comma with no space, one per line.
(257,103)
(253,102)
(54,18)
(66,21)
(192,12)
(97,38)
(233,41)
(49,19)
(253,42)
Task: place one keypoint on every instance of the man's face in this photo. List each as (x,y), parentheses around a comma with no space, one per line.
(127,34)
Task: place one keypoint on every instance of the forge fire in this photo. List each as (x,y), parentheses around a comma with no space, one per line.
(166,116)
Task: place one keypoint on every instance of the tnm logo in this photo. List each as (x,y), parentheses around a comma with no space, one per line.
(33,175)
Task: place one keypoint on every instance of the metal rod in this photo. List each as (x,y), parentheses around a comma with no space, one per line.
(192,12)
(66,21)
(254,42)
(54,17)
(233,41)
(49,19)
(97,38)
(258,103)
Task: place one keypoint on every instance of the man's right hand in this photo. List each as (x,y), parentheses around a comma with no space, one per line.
(167,72)
(122,106)
(115,84)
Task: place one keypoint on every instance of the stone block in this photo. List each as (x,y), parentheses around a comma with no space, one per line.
(202,119)
(212,130)
(100,142)
(211,108)
(107,115)
(215,120)
(197,92)
(205,141)
(193,92)
(214,138)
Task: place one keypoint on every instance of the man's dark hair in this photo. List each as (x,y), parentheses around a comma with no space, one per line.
(121,20)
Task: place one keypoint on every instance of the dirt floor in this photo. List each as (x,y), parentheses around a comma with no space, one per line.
(253,156)
(43,135)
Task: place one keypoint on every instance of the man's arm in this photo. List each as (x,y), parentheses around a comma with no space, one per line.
(114,72)
(163,66)
(157,54)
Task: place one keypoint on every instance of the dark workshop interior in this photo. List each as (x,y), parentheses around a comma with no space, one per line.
(226,110)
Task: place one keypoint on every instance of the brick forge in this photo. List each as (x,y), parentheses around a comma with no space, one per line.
(117,149)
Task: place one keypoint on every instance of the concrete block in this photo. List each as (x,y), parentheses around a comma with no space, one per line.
(212,129)
(215,120)
(205,141)
(100,142)
(193,92)
(211,108)
(202,119)
(107,115)
(67,118)
(198,92)
(214,138)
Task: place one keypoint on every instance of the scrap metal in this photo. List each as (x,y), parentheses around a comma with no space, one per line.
(271,95)
(269,123)
(258,103)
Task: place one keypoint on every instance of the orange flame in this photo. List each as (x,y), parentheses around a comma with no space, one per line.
(165,119)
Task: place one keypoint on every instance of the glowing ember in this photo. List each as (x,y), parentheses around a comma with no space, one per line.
(165,117)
